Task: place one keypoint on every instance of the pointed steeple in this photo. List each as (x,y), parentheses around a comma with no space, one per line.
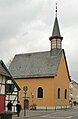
(56,30)
(56,39)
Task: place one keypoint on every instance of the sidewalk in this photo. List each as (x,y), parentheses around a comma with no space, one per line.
(31,113)
(34,113)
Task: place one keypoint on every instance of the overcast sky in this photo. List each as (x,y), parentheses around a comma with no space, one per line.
(26,25)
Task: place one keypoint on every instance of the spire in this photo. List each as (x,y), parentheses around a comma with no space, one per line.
(56,30)
(56,39)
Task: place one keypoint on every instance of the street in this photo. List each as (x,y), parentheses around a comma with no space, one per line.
(58,114)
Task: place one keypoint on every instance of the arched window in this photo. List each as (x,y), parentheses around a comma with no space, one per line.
(65,95)
(40,92)
(58,93)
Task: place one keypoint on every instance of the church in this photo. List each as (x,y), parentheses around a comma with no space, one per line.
(45,74)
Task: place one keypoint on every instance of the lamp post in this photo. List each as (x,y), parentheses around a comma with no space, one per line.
(25,88)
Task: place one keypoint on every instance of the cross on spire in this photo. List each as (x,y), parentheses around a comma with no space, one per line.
(56,9)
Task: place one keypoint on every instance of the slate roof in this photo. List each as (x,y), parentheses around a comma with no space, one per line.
(56,31)
(2,70)
(40,64)
(5,72)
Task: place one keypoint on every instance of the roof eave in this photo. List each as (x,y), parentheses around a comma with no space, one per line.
(66,65)
(55,37)
(2,63)
(34,77)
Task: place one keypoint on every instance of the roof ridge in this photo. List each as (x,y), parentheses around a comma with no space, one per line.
(31,53)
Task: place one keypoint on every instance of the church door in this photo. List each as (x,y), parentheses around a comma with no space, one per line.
(26,104)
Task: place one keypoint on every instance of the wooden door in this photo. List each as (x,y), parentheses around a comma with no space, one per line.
(26,104)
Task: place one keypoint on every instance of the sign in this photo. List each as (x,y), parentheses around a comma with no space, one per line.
(22,95)
(25,88)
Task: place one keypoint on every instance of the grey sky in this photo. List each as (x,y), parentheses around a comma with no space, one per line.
(26,25)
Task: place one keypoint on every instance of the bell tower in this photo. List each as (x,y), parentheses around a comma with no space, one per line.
(56,39)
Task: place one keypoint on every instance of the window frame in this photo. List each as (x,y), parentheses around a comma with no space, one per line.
(9,88)
(59,93)
(40,92)
(65,94)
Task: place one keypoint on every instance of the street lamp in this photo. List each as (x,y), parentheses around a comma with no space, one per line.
(25,88)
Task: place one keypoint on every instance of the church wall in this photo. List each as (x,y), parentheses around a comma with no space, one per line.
(62,81)
(33,84)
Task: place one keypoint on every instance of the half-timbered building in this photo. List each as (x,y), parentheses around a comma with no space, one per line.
(9,90)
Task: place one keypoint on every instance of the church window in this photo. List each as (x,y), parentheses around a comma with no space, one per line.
(59,43)
(65,94)
(53,43)
(58,93)
(40,92)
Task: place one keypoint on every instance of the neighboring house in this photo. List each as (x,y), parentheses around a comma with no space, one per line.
(9,90)
(74,91)
(45,74)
